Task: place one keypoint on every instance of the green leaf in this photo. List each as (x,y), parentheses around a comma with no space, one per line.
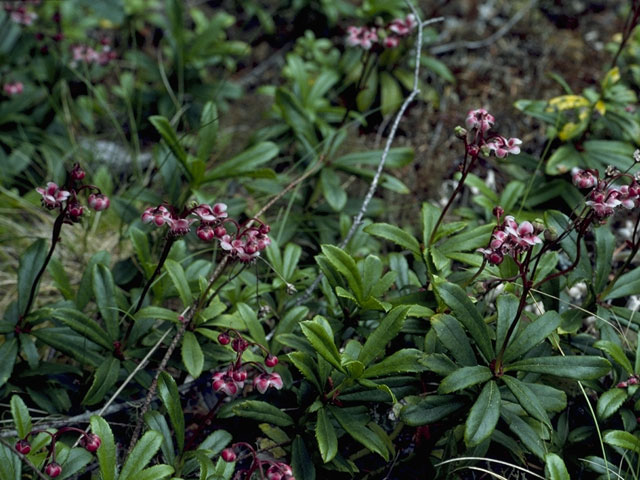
(245,163)
(527,399)
(262,412)
(555,468)
(107,452)
(31,262)
(453,337)
(168,392)
(10,464)
(383,334)
(75,461)
(610,401)
(21,417)
(483,416)
(533,334)
(301,461)
(141,455)
(84,325)
(322,341)
(397,157)
(627,284)
(157,472)
(303,362)
(359,432)
(626,440)
(430,409)
(208,132)
(192,355)
(346,265)
(467,314)
(250,319)
(333,192)
(104,290)
(390,94)
(326,436)
(67,341)
(369,91)
(396,235)
(179,279)
(468,240)
(464,377)
(170,137)
(430,214)
(507,305)
(405,360)
(8,354)
(577,368)
(605,243)
(524,432)
(105,377)
(563,159)
(616,352)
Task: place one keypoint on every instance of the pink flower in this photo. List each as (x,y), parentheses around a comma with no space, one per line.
(14,88)
(158,215)
(362,37)
(502,147)
(480,119)
(391,42)
(180,226)
(99,202)
(280,471)
(224,382)
(205,233)
(265,380)
(209,215)
(52,195)
(583,178)
(75,210)
(228,455)
(403,27)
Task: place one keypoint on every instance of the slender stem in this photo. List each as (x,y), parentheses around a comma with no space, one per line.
(24,459)
(163,257)
(55,236)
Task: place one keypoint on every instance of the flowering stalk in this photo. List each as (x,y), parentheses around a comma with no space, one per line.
(276,470)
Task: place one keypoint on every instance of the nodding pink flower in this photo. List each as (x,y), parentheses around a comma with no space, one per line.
(99,202)
(403,27)
(265,380)
(209,215)
(14,88)
(362,37)
(220,231)
(205,233)
(180,226)
(91,442)
(53,469)
(52,195)
(603,203)
(228,455)
(479,119)
(280,471)
(391,42)
(502,147)
(158,215)
(583,178)
(240,376)
(509,238)
(271,360)
(23,447)
(20,15)
(75,210)
(224,382)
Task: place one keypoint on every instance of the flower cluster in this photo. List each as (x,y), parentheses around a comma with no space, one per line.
(66,199)
(231,380)
(87,55)
(18,12)
(629,382)
(90,441)
(604,198)
(245,244)
(388,36)
(12,89)
(479,122)
(510,238)
(276,470)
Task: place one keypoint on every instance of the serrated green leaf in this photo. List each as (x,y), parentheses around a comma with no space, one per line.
(346,265)
(8,354)
(107,452)
(307,366)
(524,432)
(453,337)
(533,334)
(21,417)
(326,436)
(245,163)
(527,399)
(84,325)
(430,409)
(554,467)
(10,464)
(262,412)
(157,472)
(105,377)
(179,280)
(321,341)
(610,401)
(168,392)
(192,355)
(507,305)
(616,352)
(170,137)
(402,361)
(626,440)
(208,132)
(141,455)
(396,235)
(483,416)
(359,432)
(383,334)
(466,313)
(464,377)
(577,368)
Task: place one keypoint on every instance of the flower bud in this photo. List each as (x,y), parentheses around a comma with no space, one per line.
(271,360)
(550,234)
(99,202)
(224,338)
(53,469)
(239,345)
(460,132)
(77,173)
(91,442)
(264,229)
(498,211)
(23,447)
(228,455)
